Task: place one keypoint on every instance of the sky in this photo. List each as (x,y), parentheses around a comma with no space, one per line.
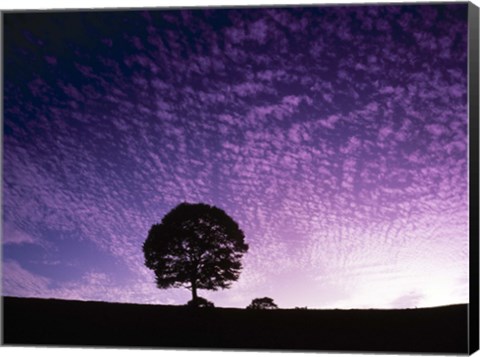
(336,137)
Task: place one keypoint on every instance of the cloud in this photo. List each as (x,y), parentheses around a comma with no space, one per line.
(12,235)
(16,281)
(93,286)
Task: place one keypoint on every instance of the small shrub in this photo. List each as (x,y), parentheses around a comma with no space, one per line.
(200,302)
(264,303)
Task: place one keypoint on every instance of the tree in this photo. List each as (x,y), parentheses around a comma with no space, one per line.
(196,246)
(264,303)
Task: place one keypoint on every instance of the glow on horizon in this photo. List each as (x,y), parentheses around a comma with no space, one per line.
(336,137)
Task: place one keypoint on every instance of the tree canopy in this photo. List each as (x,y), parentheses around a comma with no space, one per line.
(196,246)
(264,303)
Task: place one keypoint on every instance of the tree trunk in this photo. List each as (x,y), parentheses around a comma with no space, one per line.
(194,291)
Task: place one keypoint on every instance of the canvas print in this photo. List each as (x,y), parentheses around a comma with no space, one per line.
(263,177)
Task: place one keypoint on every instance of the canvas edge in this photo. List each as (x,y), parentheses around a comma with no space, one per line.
(473,111)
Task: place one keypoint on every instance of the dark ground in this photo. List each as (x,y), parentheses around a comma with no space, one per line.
(60,322)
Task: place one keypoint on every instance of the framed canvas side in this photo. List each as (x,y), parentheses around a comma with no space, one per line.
(473,92)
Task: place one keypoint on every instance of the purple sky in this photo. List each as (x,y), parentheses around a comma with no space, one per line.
(335,136)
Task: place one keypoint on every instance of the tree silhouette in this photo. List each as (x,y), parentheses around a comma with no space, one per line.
(264,303)
(196,246)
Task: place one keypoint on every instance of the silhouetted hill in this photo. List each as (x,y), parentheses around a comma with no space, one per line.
(61,322)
